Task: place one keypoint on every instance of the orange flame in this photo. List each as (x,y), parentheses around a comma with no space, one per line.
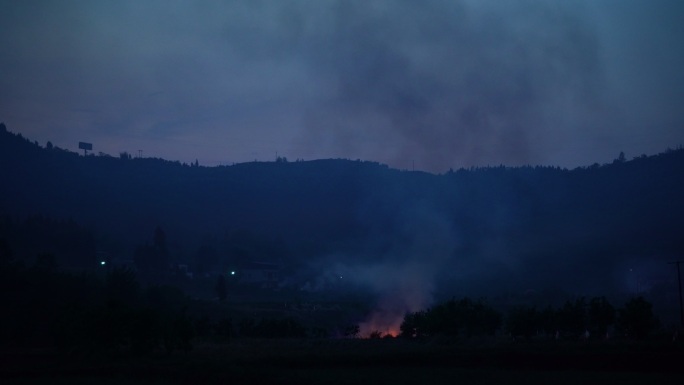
(385,323)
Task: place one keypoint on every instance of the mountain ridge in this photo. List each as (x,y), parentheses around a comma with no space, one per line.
(505,219)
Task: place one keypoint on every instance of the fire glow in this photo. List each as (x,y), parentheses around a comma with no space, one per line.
(381,324)
(387,318)
(402,288)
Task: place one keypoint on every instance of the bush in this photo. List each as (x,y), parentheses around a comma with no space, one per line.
(636,319)
(351,331)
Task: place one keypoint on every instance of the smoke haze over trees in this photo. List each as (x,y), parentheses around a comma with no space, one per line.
(408,238)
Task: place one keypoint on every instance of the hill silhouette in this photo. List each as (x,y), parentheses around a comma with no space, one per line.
(484,228)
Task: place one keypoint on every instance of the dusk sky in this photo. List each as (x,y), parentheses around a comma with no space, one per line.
(442,84)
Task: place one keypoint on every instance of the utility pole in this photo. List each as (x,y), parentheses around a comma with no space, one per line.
(679,281)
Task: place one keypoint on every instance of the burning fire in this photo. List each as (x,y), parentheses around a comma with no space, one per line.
(385,323)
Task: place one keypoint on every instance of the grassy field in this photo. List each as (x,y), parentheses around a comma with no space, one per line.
(360,362)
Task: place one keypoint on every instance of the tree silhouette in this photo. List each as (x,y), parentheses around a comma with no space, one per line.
(6,254)
(523,321)
(636,318)
(572,317)
(601,315)
(121,285)
(351,331)
(224,329)
(375,334)
(180,332)
(549,320)
(153,260)
(272,328)
(205,259)
(220,288)
(452,318)
(46,262)
(143,259)
(414,325)
(160,240)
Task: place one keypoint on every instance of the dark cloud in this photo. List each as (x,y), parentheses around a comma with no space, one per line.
(439,83)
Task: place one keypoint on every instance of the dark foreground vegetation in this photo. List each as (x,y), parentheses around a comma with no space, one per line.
(112,314)
(399,361)
(68,328)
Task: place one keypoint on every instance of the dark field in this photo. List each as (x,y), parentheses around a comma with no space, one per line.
(362,361)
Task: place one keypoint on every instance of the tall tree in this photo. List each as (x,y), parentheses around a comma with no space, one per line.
(601,315)
(636,318)
(221,290)
(153,259)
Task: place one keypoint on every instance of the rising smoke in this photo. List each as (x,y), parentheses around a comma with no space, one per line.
(455,82)
(440,83)
(405,277)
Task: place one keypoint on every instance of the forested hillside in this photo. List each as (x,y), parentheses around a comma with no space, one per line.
(529,226)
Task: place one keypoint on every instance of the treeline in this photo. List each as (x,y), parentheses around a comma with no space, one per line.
(66,243)
(112,314)
(452,318)
(581,318)
(108,313)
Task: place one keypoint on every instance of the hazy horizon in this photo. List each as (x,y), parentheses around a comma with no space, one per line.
(435,85)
